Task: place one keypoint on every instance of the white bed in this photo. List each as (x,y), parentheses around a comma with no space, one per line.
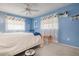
(14,43)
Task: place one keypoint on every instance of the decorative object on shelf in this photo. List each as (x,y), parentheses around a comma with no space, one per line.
(76,17)
(65,14)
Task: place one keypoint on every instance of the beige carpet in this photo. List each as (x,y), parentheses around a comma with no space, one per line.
(56,49)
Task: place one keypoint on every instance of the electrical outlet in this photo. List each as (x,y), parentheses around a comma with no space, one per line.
(68,39)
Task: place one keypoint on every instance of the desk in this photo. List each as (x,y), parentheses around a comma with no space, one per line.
(44,37)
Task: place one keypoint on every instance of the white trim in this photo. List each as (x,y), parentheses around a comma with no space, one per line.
(69,45)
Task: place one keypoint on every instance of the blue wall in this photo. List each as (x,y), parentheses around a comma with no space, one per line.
(73,9)
(2,22)
(28,21)
(28,25)
(69,31)
(68,28)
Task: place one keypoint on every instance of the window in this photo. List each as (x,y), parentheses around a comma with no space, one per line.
(35,24)
(51,23)
(15,24)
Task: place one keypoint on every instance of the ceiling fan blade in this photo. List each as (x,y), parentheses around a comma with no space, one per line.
(26,13)
(23,11)
(34,10)
(28,5)
(30,12)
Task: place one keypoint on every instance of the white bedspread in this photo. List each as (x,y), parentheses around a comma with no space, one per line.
(13,43)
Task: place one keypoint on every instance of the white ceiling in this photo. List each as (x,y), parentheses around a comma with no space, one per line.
(18,8)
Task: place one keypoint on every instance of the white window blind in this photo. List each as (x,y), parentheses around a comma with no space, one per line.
(15,24)
(51,23)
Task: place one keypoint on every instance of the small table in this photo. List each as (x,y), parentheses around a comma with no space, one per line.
(44,37)
(30,52)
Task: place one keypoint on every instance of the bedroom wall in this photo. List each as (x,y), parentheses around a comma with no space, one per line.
(73,9)
(2,22)
(68,29)
(28,21)
(28,25)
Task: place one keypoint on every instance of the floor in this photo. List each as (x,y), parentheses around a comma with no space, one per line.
(55,49)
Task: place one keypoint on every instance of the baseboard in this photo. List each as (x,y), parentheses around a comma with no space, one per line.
(69,45)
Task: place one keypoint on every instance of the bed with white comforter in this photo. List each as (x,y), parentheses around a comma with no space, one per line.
(14,43)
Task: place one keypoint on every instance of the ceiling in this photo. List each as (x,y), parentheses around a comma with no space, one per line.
(18,8)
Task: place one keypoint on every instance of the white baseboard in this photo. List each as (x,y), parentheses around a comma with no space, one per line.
(69,45)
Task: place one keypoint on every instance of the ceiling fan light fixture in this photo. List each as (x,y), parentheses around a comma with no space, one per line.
(29,9)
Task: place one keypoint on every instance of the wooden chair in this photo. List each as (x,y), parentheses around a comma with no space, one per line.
(44,37)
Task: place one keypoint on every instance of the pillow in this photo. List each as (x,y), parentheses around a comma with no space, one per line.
(37,33)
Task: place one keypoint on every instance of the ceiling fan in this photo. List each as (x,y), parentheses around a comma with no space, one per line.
(28,9)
